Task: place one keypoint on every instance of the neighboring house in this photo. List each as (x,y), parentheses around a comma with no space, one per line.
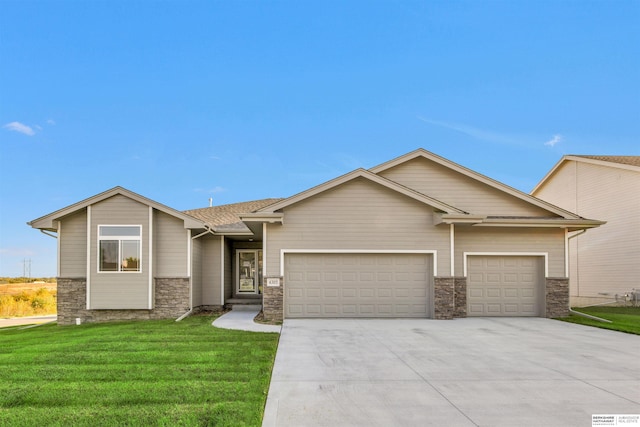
(604,263)
(418,236)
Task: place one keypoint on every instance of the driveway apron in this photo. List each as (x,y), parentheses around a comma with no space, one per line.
(464,372)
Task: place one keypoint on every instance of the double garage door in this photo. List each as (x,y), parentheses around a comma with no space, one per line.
(357,285)
(399,285)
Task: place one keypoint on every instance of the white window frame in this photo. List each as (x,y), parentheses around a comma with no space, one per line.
(119,239)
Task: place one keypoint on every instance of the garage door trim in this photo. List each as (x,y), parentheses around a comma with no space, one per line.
(359,251)
(541,254)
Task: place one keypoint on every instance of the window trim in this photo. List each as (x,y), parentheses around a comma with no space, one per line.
(120,239)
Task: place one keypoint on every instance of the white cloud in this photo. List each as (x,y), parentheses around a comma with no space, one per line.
(473,132)
(553,141)
(51,122)
(19,127)
(213,190)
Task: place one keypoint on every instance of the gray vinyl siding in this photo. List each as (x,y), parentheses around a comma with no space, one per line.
(354,216)
(170,242)
(605,259)
(458,190)
(211,270)
(196,273)
(73,245)
(511,240)
(119,290)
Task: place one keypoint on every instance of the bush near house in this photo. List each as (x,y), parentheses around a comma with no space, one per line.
(160,373)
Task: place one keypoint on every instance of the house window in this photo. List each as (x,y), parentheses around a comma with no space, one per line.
(119,247)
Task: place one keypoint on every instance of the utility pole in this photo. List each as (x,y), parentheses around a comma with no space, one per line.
(26,268)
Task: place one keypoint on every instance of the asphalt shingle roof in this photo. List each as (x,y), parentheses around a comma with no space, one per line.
(228,216)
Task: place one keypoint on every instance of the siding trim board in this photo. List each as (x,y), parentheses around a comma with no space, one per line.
(88,284)
(283,252)
(150,260)
(541,254)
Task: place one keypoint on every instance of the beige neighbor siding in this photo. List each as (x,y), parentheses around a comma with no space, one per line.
(511,241)
(211,280)
(117,290)
(170,242)
(196,273)
(73,245)
(605,259)
(358,215)
(458,190)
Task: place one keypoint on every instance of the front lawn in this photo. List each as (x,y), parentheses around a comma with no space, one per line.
(624,319)
(161,373)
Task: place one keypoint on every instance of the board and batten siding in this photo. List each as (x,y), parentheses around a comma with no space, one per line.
(170,241)
(605,259)
(117,290)
(73,245)
(511,241)
(229,277)
(458,190)
(211,270)
(358,214)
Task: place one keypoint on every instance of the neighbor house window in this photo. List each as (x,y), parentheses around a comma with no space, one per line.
(119,247)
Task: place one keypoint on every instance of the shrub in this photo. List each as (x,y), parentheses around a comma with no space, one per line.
(28,303)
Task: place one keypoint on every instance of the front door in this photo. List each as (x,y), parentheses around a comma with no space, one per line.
(248,271)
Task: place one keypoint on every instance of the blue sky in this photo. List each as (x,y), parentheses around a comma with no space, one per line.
(239,100)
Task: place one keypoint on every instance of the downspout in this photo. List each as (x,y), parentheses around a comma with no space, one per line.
(188,313)
(588,316)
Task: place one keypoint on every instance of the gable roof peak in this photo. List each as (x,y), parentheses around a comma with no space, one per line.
(368,175)
(421,152)
(46,222)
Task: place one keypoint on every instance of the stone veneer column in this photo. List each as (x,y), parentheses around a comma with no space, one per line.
(557,297)
(273,300)
(71,299)
(460,297)
(443,294)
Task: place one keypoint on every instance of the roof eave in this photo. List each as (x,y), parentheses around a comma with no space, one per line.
(571,225)
(271,218)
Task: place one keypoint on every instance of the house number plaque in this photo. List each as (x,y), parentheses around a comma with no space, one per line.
(273,281)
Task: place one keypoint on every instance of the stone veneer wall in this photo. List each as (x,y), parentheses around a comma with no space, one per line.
(443,298)
(273,300)
(171,301)
(557,297)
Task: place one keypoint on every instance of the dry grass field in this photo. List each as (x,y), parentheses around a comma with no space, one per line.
(27,299)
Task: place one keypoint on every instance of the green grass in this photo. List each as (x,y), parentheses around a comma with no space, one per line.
(624,319)
(159,373)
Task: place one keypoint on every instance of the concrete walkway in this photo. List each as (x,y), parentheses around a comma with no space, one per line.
(464,372)
(23,321)
(243,320)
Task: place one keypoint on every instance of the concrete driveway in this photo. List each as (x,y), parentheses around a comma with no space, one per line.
(464,372)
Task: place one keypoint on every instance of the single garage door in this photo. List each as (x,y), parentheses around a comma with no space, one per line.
(504,285)
(357,285)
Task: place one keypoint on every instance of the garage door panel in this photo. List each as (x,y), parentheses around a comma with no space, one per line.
(357,285)
(504,286)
